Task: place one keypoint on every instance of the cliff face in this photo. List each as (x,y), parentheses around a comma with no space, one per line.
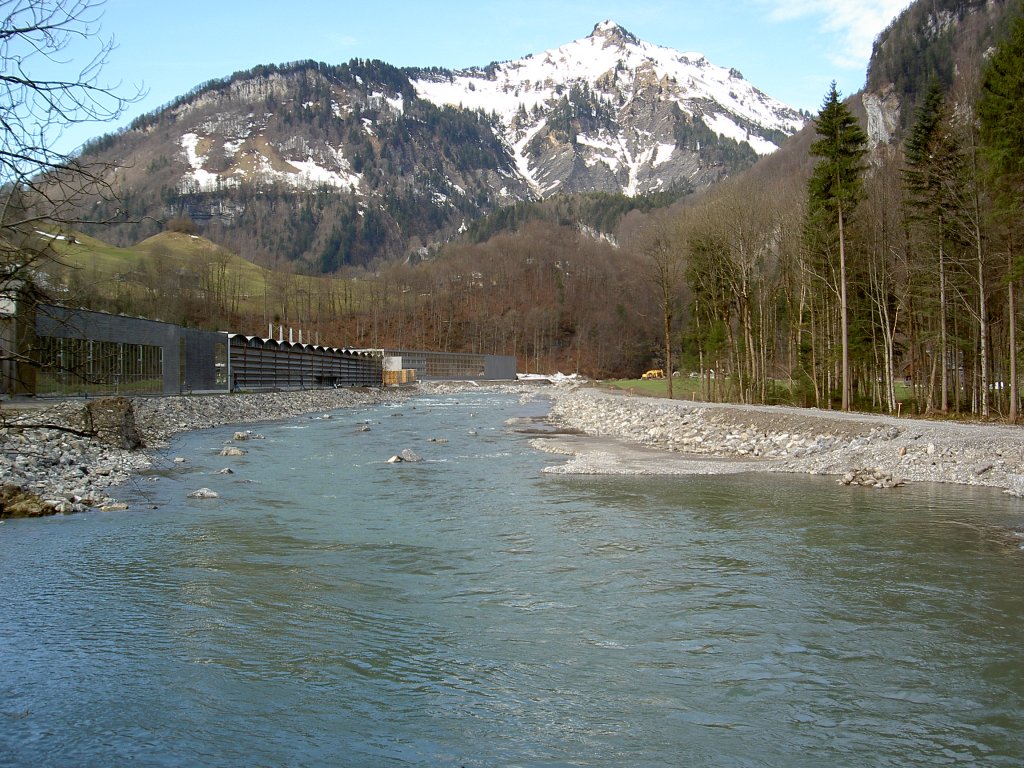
(945,40)
(883,113)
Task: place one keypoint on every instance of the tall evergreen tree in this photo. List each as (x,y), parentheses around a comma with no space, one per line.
(931,179)
(1001,118)
(834,189)
(1001,114)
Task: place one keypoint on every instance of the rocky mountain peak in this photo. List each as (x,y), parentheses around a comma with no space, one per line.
(613,34)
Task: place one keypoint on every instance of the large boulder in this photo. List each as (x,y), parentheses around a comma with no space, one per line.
(112,420)
(16,502)
(406,455)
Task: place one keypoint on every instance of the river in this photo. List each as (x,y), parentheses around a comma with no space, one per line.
(330,608)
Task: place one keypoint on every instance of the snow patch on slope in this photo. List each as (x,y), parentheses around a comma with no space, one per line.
(200,178)
(306,174)
(617,70)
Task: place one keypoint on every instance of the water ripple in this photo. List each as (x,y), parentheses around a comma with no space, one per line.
(330,609)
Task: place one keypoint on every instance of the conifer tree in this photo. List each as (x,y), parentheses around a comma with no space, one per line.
(1001,127)
(834,189)
(1001,114)
(931,180)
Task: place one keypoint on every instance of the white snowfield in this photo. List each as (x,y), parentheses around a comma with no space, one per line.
(306,174)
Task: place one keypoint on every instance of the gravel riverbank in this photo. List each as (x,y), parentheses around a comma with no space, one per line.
(601,431)
(44,469)
(657,436)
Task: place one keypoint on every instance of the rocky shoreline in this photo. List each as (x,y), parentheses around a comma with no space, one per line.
(46,470)
(49,464)
(682,437)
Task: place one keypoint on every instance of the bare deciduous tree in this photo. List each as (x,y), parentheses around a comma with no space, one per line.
(43,93)
(663,249)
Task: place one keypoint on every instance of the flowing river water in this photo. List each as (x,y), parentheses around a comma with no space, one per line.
(330,608)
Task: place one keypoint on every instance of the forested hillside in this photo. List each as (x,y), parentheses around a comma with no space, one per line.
(426,168)
(944,40)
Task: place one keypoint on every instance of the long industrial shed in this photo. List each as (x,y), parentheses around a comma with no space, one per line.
(47,349)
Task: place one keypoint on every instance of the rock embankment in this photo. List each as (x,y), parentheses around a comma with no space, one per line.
(61,457)
(861,449)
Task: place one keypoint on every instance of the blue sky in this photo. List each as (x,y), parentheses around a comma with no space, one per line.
(791,49)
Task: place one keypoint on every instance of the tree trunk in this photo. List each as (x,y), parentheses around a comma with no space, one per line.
(982,326)
(943,352)
(844,315)
(1012,312)
(667,318)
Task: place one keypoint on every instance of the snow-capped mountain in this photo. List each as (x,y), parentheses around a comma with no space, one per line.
(334,164)
(626,101)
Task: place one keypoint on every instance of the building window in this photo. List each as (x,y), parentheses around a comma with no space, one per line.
(87,367)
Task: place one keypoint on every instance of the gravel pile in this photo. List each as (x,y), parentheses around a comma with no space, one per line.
(162,417)
(864,449)
(56,472)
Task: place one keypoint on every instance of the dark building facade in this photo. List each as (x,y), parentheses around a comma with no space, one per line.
(54,350)
(257,363)
(85,350)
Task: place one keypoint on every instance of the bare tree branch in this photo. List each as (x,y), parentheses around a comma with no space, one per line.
(43,92)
